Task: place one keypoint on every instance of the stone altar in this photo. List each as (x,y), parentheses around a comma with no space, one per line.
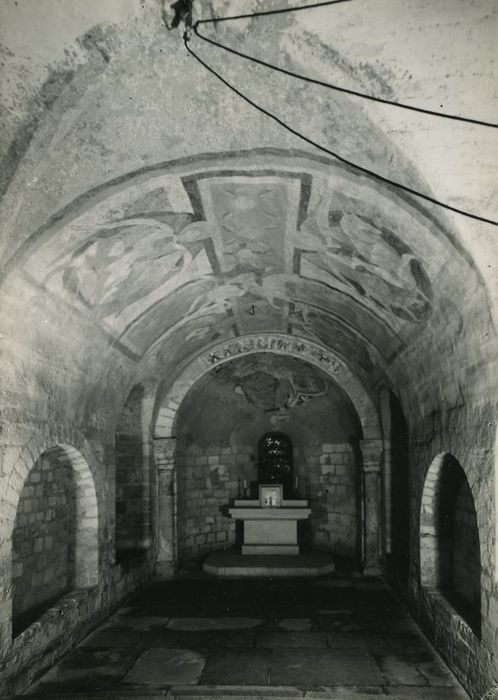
(270,529)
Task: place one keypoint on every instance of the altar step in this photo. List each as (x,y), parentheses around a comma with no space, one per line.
(232,563)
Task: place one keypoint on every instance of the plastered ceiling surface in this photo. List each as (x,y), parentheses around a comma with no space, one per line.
(147,198)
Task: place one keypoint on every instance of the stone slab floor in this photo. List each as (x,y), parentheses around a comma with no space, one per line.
(198,636)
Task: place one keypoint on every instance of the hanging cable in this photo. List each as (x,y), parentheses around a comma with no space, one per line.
(265,13)
(338,88)
(335,155)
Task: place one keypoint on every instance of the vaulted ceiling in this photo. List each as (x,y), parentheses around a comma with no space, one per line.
(152,203)
(187,255)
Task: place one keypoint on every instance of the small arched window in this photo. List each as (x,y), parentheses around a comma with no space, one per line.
(275,461)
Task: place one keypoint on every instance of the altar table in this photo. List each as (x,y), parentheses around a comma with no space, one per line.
(270,529)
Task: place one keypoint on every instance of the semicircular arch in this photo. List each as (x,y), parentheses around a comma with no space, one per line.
(279,344)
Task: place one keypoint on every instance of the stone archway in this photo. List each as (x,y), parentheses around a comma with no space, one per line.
(85,564)
(314,354)
(277,343)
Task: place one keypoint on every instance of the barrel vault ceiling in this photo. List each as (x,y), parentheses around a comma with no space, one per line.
(171,238)
(280,243)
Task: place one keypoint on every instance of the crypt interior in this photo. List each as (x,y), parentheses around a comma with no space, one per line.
(248,389)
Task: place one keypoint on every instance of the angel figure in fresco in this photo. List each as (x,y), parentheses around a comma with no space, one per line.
(122,262)
(208,310)
(271,289)
(369,258)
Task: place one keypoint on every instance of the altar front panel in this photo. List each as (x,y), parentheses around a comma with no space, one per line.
(270,537)
(270,530)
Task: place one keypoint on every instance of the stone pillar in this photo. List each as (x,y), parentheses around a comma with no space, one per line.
(164,458)
(372,520)
(5,603)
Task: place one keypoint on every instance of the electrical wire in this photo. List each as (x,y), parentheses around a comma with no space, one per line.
(277,11)
(329,152)
(338,88)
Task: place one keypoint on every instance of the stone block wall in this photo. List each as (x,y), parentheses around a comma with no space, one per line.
(471,651)
(133,511)
(43,538)
(67,622)
(207,480)
(96,585)
(132,494)
(327,475)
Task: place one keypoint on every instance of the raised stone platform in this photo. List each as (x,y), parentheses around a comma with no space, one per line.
(231,563)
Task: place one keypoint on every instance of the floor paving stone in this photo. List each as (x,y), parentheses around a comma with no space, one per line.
(437,674)
(166,667)
(197,624)
(140,623)
(345,612)
(296,624)
(332,667)
(86,670)
(285,640)
(202,637)
(244,667)
(397,668)
(199,640)
(354,640)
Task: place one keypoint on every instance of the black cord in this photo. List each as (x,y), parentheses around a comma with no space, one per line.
(271,12)
(338,157)
(331,86)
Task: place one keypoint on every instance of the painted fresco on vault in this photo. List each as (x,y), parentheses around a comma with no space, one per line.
(123,264)
(251,220)
(238,250)
(254,313)
(348,245)
(324,299)
(272,383)
(327,330)
(182,314)
(190,338)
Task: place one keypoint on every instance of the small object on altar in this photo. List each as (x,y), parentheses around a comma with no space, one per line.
(270,495)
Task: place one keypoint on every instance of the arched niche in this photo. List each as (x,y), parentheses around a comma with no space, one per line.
(450,556)
(55,534)
(170,453)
